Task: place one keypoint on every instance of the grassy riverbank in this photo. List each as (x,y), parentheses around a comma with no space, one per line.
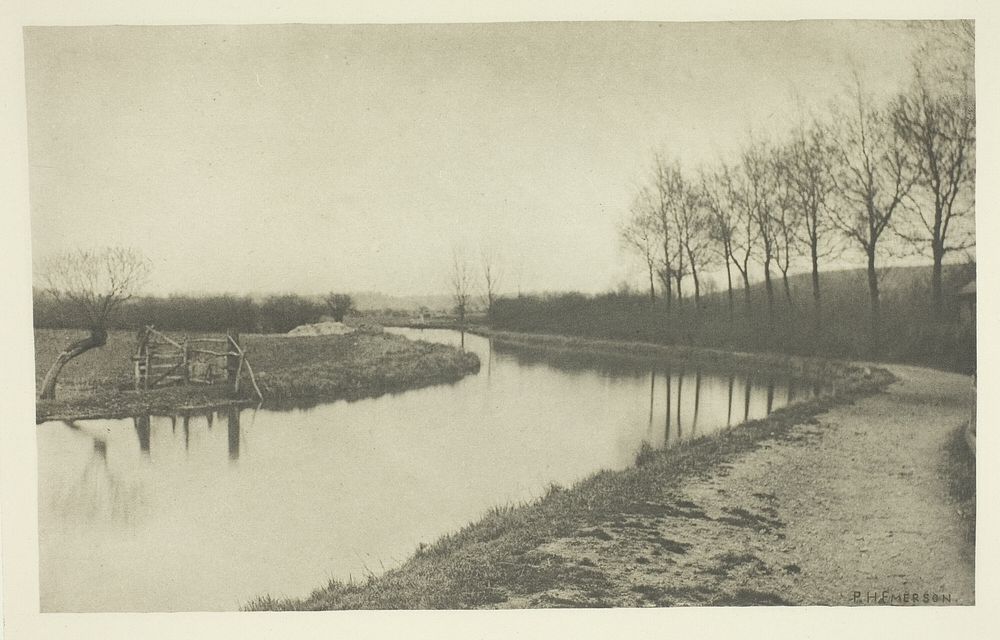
(574,349)
(960,470)
(911,332)
(499,558)
(296,370)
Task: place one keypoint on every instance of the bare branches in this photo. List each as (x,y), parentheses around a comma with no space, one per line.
(94,284)
(639,234)
(462,282)
(492,269)
(904,165)
(935,120)
(873,173)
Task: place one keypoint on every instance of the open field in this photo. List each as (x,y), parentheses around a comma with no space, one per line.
(506,558)
(300,370)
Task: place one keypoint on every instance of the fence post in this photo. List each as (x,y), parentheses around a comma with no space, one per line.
(146,363)
(142,336)
(233,360)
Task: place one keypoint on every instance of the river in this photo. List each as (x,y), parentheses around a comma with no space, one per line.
(207,510)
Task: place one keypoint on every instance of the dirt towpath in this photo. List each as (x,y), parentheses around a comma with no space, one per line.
(850,508)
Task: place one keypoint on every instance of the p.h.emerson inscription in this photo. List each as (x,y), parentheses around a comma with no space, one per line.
(505,315)
(897,598)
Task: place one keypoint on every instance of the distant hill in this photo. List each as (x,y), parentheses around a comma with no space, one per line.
(375,301)
(847,283)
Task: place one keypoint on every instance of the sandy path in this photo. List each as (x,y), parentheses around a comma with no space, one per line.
(846,509)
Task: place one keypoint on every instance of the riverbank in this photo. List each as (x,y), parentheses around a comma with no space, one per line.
(511,557)
(290,370)
(814,370)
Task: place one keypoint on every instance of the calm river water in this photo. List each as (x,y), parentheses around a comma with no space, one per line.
(206,511)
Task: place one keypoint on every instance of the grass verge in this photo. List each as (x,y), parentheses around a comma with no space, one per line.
(823,373)
(960,470)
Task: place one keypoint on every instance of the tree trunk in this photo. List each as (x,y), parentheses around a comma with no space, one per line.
(746,287)
(694,279)
(652,285)
(875,311)
(697,288)
(668,293)
(769,287)
(937,295)
(815,282)
(97,338)
(788,290)
(729,285)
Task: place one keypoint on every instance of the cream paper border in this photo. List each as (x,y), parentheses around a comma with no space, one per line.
(18,479)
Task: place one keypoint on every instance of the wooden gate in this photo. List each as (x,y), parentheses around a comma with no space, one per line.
(160,360)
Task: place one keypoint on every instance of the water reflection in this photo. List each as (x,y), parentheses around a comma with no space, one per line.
(279,501)
(233,428)
(729,401)
(141,424)
(746,400)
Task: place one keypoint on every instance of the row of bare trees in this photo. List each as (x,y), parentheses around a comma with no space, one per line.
(464,283)
(866,175)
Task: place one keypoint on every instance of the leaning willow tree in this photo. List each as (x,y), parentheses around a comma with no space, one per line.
(90,287)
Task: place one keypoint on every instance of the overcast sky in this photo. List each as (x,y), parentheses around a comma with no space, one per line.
(314,158)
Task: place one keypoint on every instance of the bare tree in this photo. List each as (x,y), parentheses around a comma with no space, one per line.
(722,220)
(759,173)
(691,216)
(462,283)
(91,286)
(639,233)
(668,186)
(489,259)
(785,219)
(935,117)
(745,230)
(873,176)
(808,174)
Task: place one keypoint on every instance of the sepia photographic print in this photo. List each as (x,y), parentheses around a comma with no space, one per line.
(613,314)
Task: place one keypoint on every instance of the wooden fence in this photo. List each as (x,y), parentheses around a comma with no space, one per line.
(160,360)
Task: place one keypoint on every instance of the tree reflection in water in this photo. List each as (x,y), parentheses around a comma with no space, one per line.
(100,492)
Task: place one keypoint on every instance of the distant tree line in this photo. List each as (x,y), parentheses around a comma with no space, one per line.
(876,179)
(274,314)
(910,333)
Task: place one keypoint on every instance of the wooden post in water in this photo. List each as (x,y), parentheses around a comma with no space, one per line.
(233,428)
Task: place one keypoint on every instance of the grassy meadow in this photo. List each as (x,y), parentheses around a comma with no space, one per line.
(289,369)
